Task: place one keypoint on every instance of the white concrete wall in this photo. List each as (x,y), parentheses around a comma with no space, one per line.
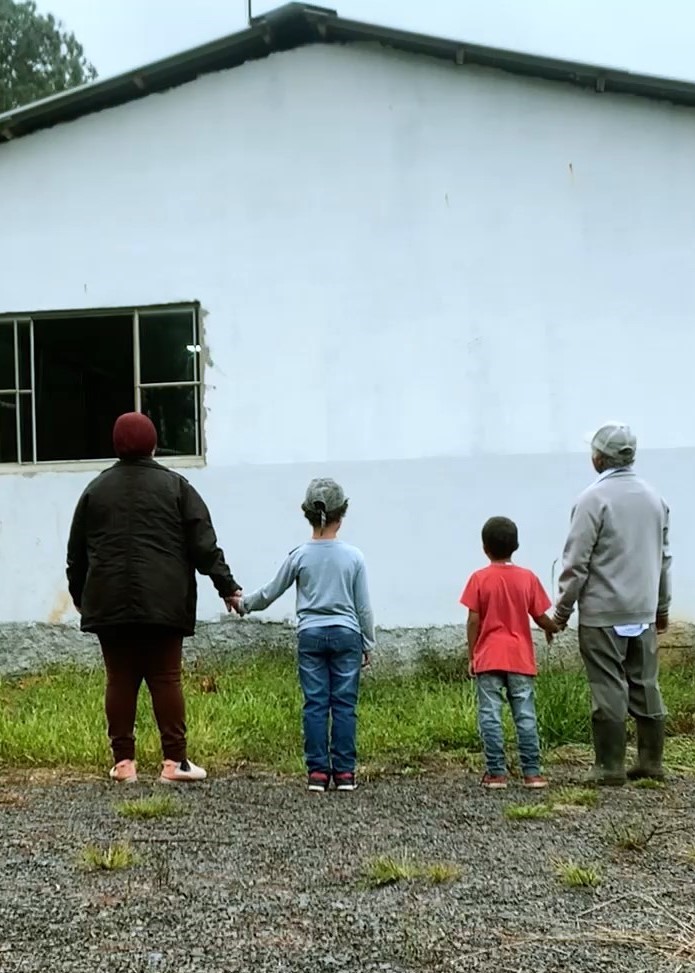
(426,280)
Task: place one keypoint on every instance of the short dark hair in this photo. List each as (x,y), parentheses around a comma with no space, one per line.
(500,537)
(315,517)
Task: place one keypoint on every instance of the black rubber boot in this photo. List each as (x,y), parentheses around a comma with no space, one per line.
(610,741)
(650,750)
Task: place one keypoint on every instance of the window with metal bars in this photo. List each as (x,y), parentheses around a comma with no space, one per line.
(66,377)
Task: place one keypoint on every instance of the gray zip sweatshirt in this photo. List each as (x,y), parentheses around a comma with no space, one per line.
(331,581)
(617,562)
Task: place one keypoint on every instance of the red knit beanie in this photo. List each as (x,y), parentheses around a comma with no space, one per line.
(134,436)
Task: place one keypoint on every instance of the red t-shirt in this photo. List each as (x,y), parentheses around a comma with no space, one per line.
(504,596)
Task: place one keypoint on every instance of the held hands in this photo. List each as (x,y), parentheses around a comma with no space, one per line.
(235,603)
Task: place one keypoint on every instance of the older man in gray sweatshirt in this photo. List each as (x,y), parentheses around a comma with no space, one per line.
(616,568)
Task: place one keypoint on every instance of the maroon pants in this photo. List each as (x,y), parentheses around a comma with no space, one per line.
(131,655)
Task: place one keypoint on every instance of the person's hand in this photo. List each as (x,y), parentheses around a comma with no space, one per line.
(661,624)
(561,623)
(366,660)
(234,603)
(471,670)
(549,636)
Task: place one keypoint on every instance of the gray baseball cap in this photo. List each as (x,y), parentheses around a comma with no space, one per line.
(615,441)
(324,494)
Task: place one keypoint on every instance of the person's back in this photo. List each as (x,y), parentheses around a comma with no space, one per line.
(624,520)
(616,567)
(500,600)
(336,629)
(331,585)
(145,533)
(507,597)
(138,535)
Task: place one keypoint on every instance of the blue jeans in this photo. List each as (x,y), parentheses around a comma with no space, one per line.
(491,688)
(330,660)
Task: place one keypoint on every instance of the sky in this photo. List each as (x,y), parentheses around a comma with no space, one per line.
(645,36)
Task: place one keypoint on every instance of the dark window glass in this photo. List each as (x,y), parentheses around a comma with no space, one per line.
(84,381)
(173,411)
(24,348)
(7,376)
(8,429)
(167,346)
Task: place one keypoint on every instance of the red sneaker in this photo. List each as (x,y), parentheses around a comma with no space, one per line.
(491,782)
(535,783)
(318,781)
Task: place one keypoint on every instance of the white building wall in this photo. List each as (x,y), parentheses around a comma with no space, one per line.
(429,281)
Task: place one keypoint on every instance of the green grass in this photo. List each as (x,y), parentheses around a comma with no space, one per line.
(576,876)
(649,784)
(388,870)
(528,812)
(574,797)
(113,858)
(632,835)
(148,808)
(249,712)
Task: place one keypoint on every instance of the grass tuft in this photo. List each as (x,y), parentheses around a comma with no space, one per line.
(574,797)
(442,872)
(148,808)
(388,870)
(576,876)
(649,784)
(113,858)
(528,812)
(632,835)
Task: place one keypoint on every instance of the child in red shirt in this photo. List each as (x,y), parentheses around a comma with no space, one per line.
(500,599)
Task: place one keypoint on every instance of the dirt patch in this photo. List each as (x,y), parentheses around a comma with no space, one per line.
(258,875)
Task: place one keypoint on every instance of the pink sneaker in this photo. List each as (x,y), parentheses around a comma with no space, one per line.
(181,773)
(124,772)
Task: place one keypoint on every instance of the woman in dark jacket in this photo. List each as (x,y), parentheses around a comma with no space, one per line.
(139,534)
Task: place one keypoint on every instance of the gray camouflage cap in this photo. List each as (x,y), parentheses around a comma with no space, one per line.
(323,496)
(615,441)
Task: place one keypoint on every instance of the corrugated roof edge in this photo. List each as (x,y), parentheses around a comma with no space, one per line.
(297,24)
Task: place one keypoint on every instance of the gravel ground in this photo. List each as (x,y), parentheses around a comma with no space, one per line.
(259,875)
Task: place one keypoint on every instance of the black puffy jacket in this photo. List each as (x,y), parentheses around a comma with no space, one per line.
(139,534)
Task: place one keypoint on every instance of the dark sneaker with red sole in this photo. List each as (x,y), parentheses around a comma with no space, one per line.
(345,782)
(318,781)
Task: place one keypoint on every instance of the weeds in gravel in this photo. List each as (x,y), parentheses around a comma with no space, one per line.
(576,876)
(574,797)
(442,872)
(387,870)
(632,835)
(249,712)
(148,808)
(649,784)
(113,858)
(528,812)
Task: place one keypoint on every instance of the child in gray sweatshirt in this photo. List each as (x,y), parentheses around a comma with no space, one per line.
(335,634)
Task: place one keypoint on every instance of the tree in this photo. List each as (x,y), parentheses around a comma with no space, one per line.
(38,57)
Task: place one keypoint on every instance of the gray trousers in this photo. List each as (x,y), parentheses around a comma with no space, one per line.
(623,674)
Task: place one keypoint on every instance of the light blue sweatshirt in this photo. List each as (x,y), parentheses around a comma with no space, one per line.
(332,588)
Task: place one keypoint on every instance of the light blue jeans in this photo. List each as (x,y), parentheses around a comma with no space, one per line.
(491,688)
(330,661)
